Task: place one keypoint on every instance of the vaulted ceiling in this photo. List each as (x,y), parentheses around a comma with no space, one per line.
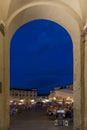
(8,7)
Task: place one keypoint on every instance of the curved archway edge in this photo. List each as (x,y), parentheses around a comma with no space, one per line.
(59,15)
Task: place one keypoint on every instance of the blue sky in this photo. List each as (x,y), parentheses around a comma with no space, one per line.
(41,56)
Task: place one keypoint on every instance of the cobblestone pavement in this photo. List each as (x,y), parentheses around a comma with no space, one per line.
(35,119)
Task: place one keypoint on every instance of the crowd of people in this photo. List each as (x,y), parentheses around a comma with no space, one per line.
(54,111)
(63,113)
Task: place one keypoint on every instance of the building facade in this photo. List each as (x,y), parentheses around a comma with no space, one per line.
(62,92)
(27,94)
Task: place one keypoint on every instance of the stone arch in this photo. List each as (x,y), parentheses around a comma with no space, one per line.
(65,17)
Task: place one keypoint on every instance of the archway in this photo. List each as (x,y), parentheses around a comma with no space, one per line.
(49,51)
(58,14)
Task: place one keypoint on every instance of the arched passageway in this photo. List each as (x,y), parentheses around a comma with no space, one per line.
(58,14)
(41,56)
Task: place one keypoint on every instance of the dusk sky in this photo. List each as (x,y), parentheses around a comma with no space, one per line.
(41,57)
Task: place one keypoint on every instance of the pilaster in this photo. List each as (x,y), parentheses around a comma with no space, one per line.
(4,95)
(85,84)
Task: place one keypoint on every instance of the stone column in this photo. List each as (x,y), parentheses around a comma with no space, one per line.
(4,95)
(85,84)
(82,80)
(77,84)
(1,84)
